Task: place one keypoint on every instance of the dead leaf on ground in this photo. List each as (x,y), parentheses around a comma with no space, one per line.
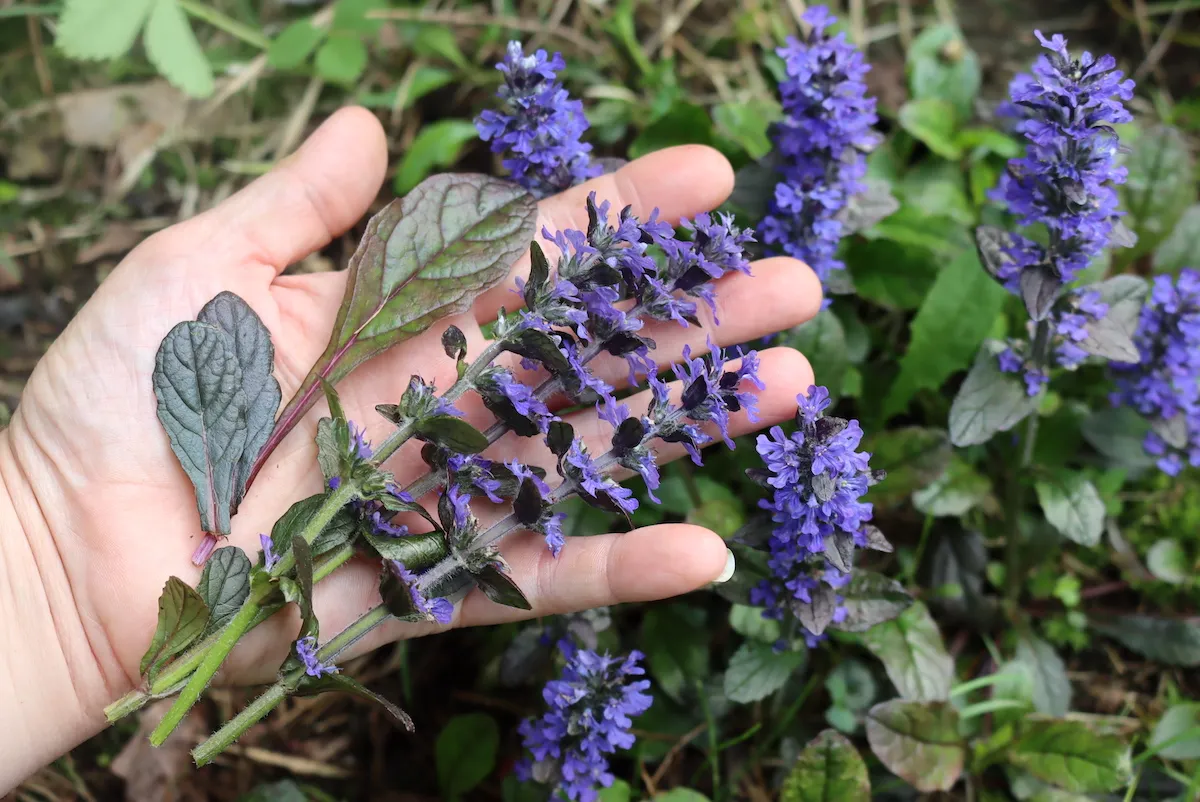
(118,237)
(163,774)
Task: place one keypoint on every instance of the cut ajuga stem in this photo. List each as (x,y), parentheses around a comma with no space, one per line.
(242,622)
(267,701)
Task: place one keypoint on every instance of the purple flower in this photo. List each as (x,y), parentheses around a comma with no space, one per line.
(819,479)
(306,651)
(382,524)
(439,610)
(551,528)
(711,394)
(1069,322)
(270,558)
(474,471)
(539,126)
(578,467)
(821,141)
(523,472)
(1165,385)
(590,711)
(461,504)
(359,445)
(1065,110)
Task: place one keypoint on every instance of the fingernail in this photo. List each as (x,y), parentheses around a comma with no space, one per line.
(727,571)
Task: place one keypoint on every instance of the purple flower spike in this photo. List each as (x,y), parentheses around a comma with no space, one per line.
(359,445)
(1065,110)
(590,713)
(306,650)
(819,478)
(539,126)
(821,141)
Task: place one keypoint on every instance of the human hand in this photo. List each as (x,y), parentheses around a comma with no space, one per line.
(105,514)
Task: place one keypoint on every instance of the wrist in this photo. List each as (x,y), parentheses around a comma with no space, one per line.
(52,693)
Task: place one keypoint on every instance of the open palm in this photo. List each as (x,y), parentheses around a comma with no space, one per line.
(109,514)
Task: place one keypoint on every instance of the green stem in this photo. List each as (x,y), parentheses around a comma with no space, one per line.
(1013,578)
(241,623)
(220,740)
(226,23)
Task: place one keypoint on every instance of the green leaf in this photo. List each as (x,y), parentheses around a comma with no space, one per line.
(439,41)
(1051,687)
(829,768)
(747,123)
(1182,246)
(422,258)
(256,356)
(823,341)
(1168,561)
(955,317)
(100,29)
(1070,755)
(201,404)
(931,122)
(913,654)
(294,44)
(304,583)
(913,456)
(960,489)
(465,753)
(680,795)
(870,599)
(339,531)
(453,433)
(224,585)
(676,645)
(683,123)
(351,16)
(182,615)
(942,66)
(749,623)
(341,683)
(1174,642)
(619,791)
(438,144)
(891,274)
(172,48)
(416,552)
(1072,506)
(1160,187)
(988,402)
(1176,736)
(756,671)
(918,742)
(342,59)
(1118,433)
(955,573)
(938,189)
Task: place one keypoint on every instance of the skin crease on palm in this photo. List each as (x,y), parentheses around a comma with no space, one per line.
(97,512)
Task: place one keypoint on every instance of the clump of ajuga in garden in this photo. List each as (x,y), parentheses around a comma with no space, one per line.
(817,478)
(539,125)
(591,707)
(1062,187)
(820,150)
(1165,386)
(211,378)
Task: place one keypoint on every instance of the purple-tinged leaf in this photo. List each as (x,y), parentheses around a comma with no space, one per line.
(422,258)
(914,655)
(818,614)
(1111,336)
(868,207)
(304,582)
(453,433)
(182,615)
(993,244)
(224,585)
(201,404)
(918,742)
(871,599)
(1040,285)
(256,356)
(454,343)
(498,586)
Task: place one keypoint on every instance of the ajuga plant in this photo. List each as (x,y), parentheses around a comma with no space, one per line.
(1061,194)
(609,281)
(820,152)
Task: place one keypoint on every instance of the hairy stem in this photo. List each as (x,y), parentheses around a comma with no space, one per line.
(1013,578)
(233,729)
(241,623)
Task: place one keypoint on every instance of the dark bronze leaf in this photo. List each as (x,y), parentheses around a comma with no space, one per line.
(453,433)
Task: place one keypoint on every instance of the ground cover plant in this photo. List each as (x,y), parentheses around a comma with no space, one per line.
(964,568)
